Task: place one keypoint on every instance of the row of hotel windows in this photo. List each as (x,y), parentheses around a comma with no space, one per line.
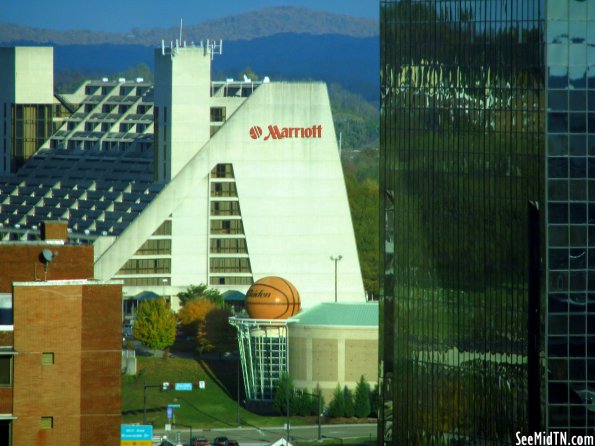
(160,266)
(124,90)
(118,109)
(164,281)
(106,127)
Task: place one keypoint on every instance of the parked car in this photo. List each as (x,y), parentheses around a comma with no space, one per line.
(199,441)
(232,443)
(220,441)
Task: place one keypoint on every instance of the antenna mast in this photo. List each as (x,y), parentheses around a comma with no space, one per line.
(180,31)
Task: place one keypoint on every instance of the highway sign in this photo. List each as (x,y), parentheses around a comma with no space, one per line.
(170,412)
(184,386)
(136,443)
(136,432)
(174,406)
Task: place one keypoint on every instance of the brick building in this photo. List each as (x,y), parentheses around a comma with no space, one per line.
(60,345)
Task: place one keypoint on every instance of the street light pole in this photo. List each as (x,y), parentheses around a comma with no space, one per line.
(287,412)
(238,394)
(336,260)
(145,387)
(319,396)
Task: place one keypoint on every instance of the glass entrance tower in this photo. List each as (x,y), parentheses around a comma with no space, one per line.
(488,201)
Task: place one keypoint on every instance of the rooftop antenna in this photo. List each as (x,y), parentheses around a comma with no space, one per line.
(180,31)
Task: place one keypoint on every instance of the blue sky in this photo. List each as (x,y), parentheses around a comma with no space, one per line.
(123,15)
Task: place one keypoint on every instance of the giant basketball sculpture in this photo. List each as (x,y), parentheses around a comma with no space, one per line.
(272,298)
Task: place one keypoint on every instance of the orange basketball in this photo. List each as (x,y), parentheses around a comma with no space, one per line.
(272,298)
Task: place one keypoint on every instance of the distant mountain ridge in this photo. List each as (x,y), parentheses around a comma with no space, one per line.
(250,25)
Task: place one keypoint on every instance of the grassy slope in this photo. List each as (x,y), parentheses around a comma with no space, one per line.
(212,407)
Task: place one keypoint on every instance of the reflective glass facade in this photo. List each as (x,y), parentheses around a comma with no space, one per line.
(487,166)
(462,156)
(570,36)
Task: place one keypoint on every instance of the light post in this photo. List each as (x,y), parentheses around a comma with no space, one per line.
(319,396)
(336,260)
(238,392)
(164,282)
(145,387)
(287,412)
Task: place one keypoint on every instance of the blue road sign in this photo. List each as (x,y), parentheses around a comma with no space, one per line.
(184,386)
(136,432)
(170,412)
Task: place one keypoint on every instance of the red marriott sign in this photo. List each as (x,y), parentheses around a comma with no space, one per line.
(276,132)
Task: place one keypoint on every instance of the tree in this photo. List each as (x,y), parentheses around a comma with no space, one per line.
(374,400)
(249,73)
(348,399)
(362,403)
(336,407)
(363,202)
(194,313)
(155,324)
(314,409)
(218,333)
(282,388)
(201,291)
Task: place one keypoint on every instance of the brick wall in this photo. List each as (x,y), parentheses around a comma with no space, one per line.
(5,400)
(80,324)
(22,263)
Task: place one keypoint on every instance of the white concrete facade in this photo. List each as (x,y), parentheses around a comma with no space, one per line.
(290,188)
(248,177)
(26,77)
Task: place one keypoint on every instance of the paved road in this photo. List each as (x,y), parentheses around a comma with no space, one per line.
(249,436)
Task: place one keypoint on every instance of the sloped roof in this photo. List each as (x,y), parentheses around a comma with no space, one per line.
(97,192)
(339,314)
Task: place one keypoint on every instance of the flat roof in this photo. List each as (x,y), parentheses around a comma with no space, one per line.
(351,314)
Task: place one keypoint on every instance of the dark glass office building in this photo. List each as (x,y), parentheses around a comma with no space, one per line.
(488,196)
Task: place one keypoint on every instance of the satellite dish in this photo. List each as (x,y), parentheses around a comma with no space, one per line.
(47,255)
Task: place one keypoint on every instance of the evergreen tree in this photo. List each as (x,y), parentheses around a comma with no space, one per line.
(374,401)
(336,407)
(155,324)
(348,399)
(283,387)
(314,409)
(362,404)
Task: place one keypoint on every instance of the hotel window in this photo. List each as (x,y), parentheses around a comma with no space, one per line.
(231,281)
(230,265)
(228,245)
(164,229)
(225,208)
(5,370)
(217,114)
(47,358)
(154,247)
(223,190)
(47,422)
(222,171)
(226,227)
(146,266)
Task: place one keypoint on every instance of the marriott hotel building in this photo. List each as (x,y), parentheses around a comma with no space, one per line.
(184,181)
